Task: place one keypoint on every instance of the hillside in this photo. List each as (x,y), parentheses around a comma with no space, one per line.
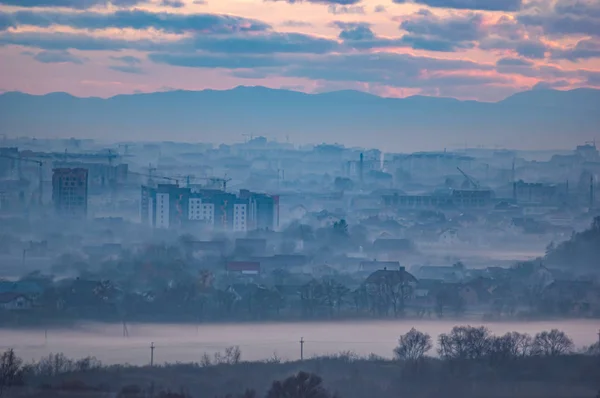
(539,118)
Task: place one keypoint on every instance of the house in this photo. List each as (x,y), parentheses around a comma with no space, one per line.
(397,276)
(24,287)
(251,246)
(449,237)
(387,245)
(218,247)
(243,267)
(476,292)
(571,297)
(444,273)
(371,266)
(14,302)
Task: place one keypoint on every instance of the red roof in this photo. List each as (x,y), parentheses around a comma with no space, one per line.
(241,266)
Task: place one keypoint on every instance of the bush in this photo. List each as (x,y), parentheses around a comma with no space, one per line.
(302,385)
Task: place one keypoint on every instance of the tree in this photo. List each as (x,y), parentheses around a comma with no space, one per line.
(510,346)
(302,385)
(11,372)
(413,345)
(464,342)
(340,228)
(552,343)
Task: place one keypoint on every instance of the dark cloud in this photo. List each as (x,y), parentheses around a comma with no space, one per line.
(216,61)
(127,69)
(379,8)
(584,49)
(269,43)
(570,17)
(543,85)
(127,59)
(593,78)
(531,49)
(326,2)
(525,48)
(359,35)
(340,10)
(82,42)
(398,70)
(434,44)
(57,57)
(466,27)
(6,22)
(578,7)
(401,70)
(354,31)
(74,4)
(139,19)
(513,62)
(483,5)
(296,24)
(172,3)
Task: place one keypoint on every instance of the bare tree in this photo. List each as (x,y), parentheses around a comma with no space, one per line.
(552,343)
(10,370)
(413,345)
(511,345)
(464,342)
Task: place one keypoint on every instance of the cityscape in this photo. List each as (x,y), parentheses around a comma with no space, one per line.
(299,198)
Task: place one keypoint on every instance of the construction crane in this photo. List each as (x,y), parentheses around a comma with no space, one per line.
(152,176)
(470,179)
(40,172)
(213,180)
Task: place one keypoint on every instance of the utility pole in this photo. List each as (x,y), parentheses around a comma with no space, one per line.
(302,348)
(152,354)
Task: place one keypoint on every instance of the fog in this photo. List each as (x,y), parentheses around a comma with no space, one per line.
(187,343)
(109,248)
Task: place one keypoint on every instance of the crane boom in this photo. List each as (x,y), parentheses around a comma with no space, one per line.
(474,183)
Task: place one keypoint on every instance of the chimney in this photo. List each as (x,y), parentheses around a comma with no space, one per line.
(360,167)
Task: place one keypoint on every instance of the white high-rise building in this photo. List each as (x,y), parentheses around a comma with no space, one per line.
(162,210)
(240,217)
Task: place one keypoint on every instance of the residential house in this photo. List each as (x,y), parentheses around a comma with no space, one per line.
(243,267)
(372,266)
(449,237)
(444,273)
(567,297)
(14,302)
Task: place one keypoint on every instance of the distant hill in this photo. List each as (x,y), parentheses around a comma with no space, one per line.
(533,119)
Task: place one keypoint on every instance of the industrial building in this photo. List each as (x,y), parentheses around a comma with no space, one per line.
(70,191)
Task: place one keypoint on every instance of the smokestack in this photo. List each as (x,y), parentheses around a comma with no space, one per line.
(515,191)
(360,167)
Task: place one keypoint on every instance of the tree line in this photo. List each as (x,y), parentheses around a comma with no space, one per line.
(462,349)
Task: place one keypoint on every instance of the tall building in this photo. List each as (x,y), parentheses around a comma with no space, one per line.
(165,206)
(240,216)
(168,205)
(70,191)
(263,210)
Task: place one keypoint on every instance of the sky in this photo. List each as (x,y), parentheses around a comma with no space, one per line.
(468,49)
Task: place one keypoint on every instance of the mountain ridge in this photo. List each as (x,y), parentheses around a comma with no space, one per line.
(522,120)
